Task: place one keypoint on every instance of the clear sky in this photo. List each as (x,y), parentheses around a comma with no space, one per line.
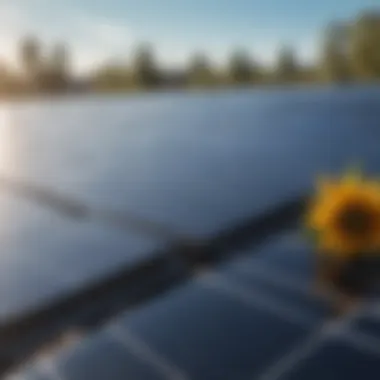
(97,29)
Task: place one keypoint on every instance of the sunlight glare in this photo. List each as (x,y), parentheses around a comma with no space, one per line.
(6,149)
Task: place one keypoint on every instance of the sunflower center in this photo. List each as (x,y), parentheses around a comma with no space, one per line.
(356,220)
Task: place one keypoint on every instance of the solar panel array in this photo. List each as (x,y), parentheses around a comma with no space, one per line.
(249,318)
(45,256)
(197,164)
(94,188)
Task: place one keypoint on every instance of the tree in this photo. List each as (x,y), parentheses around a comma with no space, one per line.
(365,46)
(112,77)
(145,69)
(241,67)
(31,60)
(57,74)
(60,59)
(287,67)
(201,72)
(5,78)
(335,63)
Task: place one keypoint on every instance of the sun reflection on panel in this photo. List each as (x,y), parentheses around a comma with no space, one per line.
(6,137)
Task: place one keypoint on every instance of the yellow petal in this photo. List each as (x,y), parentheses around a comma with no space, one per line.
(331,199)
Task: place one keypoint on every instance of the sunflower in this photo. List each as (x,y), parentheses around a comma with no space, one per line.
(345,214)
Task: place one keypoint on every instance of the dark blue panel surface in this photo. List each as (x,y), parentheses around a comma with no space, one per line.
(44,255)
(369,325)
(272,284)
(102,358)
(197,163)
(283,268)
(210,335)
(336,361)
(289,253)
(97,358)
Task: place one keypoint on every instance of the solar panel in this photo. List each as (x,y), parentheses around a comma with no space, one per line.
(102,357)
(239,320)
(277,285)
(197,165)
(330,353)
(210,327)
(190,333)
(369,325)
(288,252)
(45,255)
(336,360)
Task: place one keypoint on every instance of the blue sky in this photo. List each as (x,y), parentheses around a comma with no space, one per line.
(103,29)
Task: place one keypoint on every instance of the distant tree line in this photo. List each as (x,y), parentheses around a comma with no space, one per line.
(39,72)
(350,52)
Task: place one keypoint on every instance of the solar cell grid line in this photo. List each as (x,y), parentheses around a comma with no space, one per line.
(375,311)
(370,307)
(362,341)
(255,299)
(311,344)
(145,353)
(275,276)
(282,279)
(47,368)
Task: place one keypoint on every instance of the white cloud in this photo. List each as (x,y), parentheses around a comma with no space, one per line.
(98,40)
(108,34)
